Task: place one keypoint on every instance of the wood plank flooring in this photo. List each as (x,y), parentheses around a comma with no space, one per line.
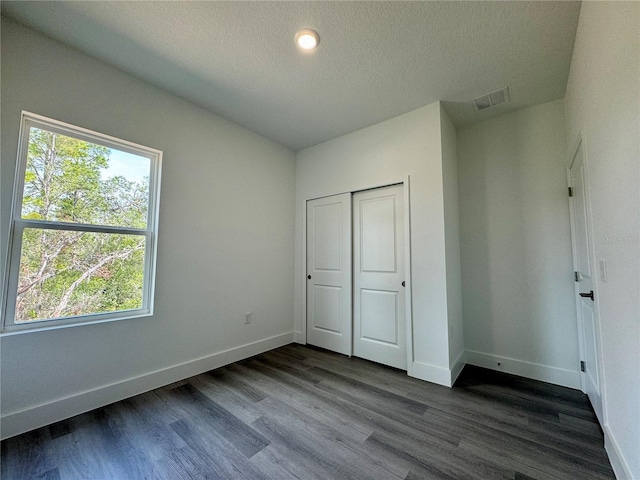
(303,413)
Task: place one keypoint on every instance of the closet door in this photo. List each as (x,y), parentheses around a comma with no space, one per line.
(329,273)
(378,276)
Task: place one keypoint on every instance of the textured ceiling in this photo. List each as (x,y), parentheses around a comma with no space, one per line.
(375,60)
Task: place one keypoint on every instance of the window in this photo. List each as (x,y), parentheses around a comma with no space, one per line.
(83,227)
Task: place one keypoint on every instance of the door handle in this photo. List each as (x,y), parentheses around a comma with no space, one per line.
(403,283)
(309,277)
(587,295)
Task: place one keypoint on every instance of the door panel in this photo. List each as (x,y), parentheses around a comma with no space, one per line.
(580,210)
(327,221)
(380,309)
(377,217)
(590,351)
(585,307)
(378,266)
(326,312)
(329,269)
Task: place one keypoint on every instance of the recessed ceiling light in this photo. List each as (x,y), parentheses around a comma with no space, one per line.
(307,39)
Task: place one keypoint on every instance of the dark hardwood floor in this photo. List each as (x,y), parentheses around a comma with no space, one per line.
(299,412)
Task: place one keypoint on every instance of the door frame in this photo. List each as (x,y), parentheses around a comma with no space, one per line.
(579,141)
(302,275)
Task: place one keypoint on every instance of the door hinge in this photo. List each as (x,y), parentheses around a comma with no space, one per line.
(582,365)
(576,276)
(570,192)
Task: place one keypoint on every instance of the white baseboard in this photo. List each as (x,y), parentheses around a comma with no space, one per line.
(440,375)
(298,338)
(536,371)
(430,373)
(21,421)
(456,367)
(618,462)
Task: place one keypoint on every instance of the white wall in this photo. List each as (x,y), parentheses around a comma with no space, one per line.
(452,243)
(603,104)
(225,241)
(516,245)
(386,153)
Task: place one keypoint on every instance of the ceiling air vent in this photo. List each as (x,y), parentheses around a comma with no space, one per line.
(491,99)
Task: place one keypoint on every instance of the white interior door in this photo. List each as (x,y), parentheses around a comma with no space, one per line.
(584,268)
(378,276)
(329,273)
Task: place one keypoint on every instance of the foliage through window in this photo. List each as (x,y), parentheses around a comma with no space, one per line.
(83,227)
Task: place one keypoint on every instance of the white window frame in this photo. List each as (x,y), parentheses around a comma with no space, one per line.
(18,224)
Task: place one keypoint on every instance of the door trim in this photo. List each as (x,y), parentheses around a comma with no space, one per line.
(302,275)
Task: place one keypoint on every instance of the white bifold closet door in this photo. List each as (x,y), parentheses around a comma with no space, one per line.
(329,273)
(379,330)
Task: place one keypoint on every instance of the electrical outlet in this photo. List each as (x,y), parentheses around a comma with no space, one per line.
(247,318)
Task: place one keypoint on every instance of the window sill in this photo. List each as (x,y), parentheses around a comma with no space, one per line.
(46,326)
